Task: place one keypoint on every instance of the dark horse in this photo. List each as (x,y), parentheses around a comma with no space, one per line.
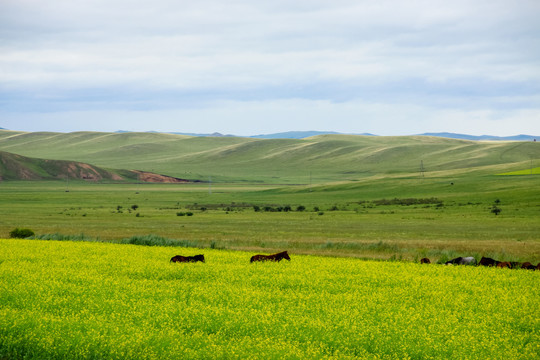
(485,261)
(425,261)
(528,265)
(276,257)
(180,258)
(462,261)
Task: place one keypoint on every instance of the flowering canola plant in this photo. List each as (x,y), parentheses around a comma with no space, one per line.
(75,300)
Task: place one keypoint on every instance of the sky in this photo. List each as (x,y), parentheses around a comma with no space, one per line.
(249,67)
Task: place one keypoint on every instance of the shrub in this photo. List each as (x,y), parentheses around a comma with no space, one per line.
(181,213)
(301,208)
(21,233)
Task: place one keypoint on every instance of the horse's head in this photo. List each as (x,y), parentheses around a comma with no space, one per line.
(286,256)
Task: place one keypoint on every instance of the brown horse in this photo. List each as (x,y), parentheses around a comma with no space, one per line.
(528,265)
(485,261)
(504,264)
(180,258)
(275,257)
(425,261)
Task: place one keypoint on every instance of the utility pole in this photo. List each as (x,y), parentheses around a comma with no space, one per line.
(209,185)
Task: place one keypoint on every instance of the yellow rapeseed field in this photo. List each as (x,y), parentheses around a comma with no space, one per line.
(76,300)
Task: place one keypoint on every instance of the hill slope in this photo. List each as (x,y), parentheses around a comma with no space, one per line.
(320,159)
(18,167)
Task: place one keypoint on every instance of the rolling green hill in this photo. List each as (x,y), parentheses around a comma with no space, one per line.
(319,159)
(18,167)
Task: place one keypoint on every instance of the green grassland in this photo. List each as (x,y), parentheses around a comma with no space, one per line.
(66,300)
(351,219)
(318,160)
(346,184)
(531,171)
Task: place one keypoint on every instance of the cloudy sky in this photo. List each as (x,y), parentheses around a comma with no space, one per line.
(249,67)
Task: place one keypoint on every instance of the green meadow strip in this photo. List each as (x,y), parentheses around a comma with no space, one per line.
(90,300)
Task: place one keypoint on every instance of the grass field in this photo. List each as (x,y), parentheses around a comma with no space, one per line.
(73,300)
(350,219)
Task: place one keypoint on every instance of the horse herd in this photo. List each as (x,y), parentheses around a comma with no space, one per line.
(485,261)
(275,257)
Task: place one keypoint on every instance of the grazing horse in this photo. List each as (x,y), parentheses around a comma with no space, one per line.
(425,261)
(462,261)
(528,265)
(180,258)
(504,264)
(275,257)
(485,261)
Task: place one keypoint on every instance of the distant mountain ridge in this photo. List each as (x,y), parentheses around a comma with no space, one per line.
(482,137)
(306,134)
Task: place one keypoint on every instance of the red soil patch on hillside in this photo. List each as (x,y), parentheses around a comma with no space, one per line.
(157,178)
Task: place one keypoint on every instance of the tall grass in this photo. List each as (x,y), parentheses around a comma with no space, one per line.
(156,240)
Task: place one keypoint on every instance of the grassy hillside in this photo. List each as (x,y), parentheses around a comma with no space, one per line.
(320,159)
(18,167)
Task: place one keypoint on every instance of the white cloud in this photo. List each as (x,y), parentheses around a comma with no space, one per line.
(126,57)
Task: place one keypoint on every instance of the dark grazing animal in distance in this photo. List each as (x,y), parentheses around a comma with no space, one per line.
(425,261)
(275,257)
(180,258)
(485,261)
(528,265)
(462,261)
